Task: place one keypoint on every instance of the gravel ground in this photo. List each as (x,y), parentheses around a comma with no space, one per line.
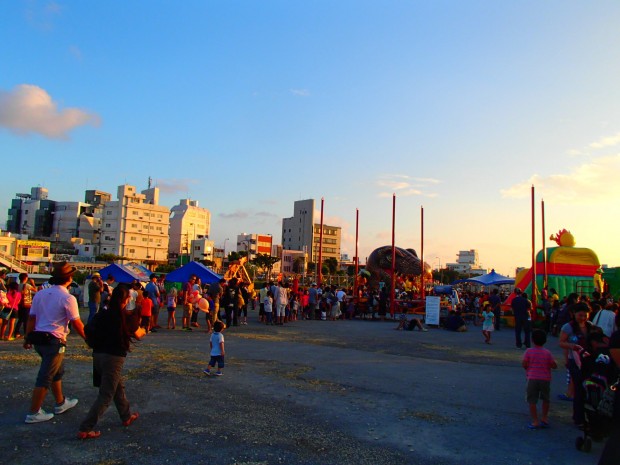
(310,392)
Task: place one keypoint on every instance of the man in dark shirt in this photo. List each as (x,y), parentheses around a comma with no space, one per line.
(496,307)
(521,308)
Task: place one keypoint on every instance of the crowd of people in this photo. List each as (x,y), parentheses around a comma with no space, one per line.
(587,328)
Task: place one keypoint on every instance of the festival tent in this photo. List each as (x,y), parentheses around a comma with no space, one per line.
(123,273)
(181,275)
(489,279)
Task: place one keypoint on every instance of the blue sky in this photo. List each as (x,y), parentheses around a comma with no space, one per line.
(459,106)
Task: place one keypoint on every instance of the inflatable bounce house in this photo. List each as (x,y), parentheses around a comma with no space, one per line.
(569,268)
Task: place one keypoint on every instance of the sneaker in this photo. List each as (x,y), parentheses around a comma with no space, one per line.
(66,405)
(206,371)
(424,330)
(218,373)
(38,417)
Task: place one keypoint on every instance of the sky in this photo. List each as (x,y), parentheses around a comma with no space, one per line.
(455,106)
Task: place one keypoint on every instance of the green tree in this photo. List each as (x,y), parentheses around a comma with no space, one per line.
(264,262)
(298,265)
(332,265)
(109,258)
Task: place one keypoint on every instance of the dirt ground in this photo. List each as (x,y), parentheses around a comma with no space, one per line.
(310,392)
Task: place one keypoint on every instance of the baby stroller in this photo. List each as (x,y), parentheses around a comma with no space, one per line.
(598,373)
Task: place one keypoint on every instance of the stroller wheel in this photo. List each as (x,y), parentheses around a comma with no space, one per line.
(587,445)
(579,443)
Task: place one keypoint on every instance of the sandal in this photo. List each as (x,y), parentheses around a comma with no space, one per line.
(134,416)
(88,434)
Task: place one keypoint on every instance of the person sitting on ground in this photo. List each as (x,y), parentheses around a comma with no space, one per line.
(455,322)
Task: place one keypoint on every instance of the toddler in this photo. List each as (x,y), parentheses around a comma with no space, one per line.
(216,343)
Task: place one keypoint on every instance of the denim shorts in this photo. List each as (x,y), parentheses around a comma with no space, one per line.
(219,359)
(52,363)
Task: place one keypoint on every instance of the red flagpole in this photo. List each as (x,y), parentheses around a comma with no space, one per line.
(392,293)
(544,247)
(320,272)
(357,258)
(533,252)
(422,251)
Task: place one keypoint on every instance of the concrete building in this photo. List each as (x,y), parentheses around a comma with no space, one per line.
(293,262)
(135,226)
(254,244)
(202,249)
(188,222)
(467,262)
(303,231)
(31,214)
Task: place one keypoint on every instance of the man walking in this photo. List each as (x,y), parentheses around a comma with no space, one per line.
(154,294)
(48,326)
(95,288)
(521,309)
(496,307)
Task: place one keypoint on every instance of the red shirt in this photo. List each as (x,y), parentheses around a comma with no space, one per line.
(147,307)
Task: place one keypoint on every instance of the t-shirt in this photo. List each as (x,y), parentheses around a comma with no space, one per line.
(573,338)
(147,307)
(520,307)
(268,304)
(153,291)
(54,308)
(605,319)
(540,362)
(216,339)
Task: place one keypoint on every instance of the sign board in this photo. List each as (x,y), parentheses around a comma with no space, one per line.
(432,310)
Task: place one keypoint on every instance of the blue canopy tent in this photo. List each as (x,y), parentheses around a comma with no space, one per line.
(122,273)
(181,275)
(489,279)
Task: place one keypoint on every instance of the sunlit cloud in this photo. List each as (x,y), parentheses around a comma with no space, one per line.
(406,186)
(590,182)
(300,92)
(173,186)
(29,109)
(610,141)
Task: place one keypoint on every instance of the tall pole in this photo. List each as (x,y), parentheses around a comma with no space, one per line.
(357,258)
(422,251)
(533,252)
(320,264)
(393,286)
(544,247)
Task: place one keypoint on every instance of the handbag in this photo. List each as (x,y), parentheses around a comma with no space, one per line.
(606,405)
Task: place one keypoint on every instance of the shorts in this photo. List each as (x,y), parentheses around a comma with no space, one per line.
(538,389)
(187,311)
(52,363)
(171,309)
(219,359)
(280,309)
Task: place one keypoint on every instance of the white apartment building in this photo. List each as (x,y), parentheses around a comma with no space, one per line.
(188,222)
(303,231)
(467,261)
(135,226)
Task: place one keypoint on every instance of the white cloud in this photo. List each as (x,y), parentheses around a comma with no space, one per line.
(590,182)
(300,92)
(405,186)
(173,186)
(29,109)
(610,141)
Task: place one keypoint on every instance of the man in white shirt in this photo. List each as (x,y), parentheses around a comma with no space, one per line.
(47,330)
